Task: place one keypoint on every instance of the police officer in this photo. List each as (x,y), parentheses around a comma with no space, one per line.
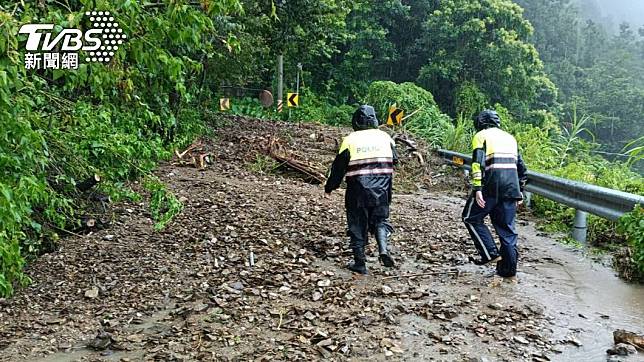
(366,157)
(498,177)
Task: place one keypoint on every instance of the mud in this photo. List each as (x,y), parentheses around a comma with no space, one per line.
(190,292)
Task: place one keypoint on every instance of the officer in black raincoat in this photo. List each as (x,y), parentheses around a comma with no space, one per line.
(498,178)
(366,157)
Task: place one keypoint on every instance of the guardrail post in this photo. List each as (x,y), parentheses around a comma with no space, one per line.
(527,198)
(580,226)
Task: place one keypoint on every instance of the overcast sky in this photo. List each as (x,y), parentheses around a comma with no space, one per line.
(631,11)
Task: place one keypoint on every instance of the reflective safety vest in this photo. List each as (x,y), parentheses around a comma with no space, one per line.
(496,164)
(370,153)
(366,158)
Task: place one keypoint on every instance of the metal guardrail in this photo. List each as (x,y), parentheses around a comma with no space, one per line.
(601,201)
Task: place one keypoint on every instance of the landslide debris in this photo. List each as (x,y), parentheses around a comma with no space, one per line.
(253,269)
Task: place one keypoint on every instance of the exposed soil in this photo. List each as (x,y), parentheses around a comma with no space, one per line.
(253,269)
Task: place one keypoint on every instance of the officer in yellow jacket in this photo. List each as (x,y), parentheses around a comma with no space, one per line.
(366,157)
(498,178)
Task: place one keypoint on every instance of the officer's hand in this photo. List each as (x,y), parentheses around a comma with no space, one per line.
(480,200)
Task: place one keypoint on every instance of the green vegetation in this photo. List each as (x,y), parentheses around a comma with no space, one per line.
(116,119)
(632,226)
(263,164)
(555,79)
(428,121)
(163,204)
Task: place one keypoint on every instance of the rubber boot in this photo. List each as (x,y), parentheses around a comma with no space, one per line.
(483,261)
(358,266)
(381,237)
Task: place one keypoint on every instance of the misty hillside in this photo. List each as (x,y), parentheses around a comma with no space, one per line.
(614,12)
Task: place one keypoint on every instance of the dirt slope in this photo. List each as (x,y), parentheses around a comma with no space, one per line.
(191,293)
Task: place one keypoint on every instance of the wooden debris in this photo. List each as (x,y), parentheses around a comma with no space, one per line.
(276,151)
(419,156)
(404,139)
(195,155)
(411,114)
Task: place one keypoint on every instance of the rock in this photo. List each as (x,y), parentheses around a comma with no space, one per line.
(92,292)
(478,359)
(556,349)
(520,339)
(323,352)
(136,338)
(622,349)
(386,290)
(574,342)
(200,307)
(622,336)
(496,306)
(324,283)
(387,343)
(540,357)
(237,285)
(614,359)
(317,296)
(101,342)
(108,237)
(325,342)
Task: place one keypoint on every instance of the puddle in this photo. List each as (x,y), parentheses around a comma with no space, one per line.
(587,299)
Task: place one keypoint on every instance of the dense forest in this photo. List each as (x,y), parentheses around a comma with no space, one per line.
(569,86)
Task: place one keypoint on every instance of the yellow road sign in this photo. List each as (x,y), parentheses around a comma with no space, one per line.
(395,115)
(224,104)
(293,99)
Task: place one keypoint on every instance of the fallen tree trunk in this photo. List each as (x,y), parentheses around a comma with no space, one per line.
(622,336)
(306,169)
(300,167)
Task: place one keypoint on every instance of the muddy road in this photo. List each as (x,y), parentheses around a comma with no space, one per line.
(193,291)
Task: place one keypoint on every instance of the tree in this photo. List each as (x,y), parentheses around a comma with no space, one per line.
(483,42)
